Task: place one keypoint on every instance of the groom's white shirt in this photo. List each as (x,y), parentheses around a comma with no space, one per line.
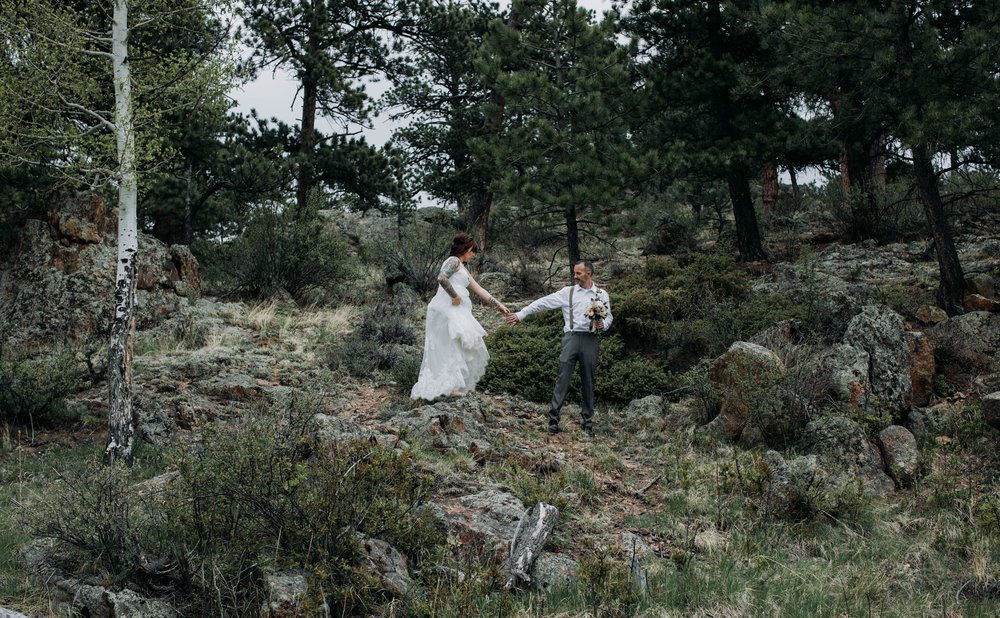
(581,302)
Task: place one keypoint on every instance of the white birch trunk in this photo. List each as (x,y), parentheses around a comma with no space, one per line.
(121,428)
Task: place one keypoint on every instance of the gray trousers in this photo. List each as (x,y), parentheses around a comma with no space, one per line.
(582,348)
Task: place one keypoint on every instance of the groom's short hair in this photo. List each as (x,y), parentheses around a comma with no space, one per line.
(587,265)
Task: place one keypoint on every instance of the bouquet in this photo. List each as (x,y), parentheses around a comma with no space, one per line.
(596,311)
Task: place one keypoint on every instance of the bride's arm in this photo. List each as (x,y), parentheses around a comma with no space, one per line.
(482,293)
(449,268)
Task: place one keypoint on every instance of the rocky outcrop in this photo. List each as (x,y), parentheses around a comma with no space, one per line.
(448,424)
(59,286)
(965,345)
(900,453)
(484,522)
(741,378)
(845,454)
(881,333)
(843,369)
(991,409)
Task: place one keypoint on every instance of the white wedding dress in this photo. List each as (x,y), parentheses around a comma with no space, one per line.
(455,356)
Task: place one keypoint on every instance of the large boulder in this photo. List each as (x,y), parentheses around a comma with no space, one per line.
(965,345)
(922,368)
(484,522)
(881,332)
(991,409)
(796,489)
(59,287)
(843,369)
(386,564)
(900,453)
(846,455)
(448,424)
(743,377)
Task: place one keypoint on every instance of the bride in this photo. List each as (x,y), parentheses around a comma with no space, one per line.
(454,353)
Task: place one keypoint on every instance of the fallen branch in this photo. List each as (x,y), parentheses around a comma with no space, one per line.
(646,487)
(532,532)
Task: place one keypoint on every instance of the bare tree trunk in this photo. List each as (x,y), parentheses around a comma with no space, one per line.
(952,287)
(187,210)
(951,290)
(481,200)
(769,191)
(121,428)
(572,238)
(306,154)
(747,232)
(796,196)
(308,130)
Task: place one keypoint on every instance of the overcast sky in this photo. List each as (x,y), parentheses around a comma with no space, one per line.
(273,96)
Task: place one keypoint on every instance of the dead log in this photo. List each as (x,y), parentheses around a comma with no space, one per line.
(532,533)
(6,613)
(638,574)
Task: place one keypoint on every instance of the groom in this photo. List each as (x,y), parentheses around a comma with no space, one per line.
(579,342)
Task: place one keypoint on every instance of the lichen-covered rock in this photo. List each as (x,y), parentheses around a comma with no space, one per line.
(448,424)
(743,377)
(881,332)
(286,591)
(966,345)
(991,409)
(799,488)
(845,454)
(928,423)
(649,409)
(553,571)
(900,453)
(484,522)
(844,370)
(59,288)
(922,368)
(386,564)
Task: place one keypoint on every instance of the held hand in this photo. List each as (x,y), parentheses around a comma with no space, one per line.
(512,318)
(598,324)
(504,310)
(457,300)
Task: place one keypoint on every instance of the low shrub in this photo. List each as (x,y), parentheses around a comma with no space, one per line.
(525,361)
(103,527)
(382,340)
(606,584)
(33,389)
(267,485)
(258,494)
(279,251)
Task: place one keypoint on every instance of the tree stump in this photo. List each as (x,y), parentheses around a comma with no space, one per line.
(533,531)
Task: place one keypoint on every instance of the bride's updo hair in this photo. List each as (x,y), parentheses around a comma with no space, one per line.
(462,243)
